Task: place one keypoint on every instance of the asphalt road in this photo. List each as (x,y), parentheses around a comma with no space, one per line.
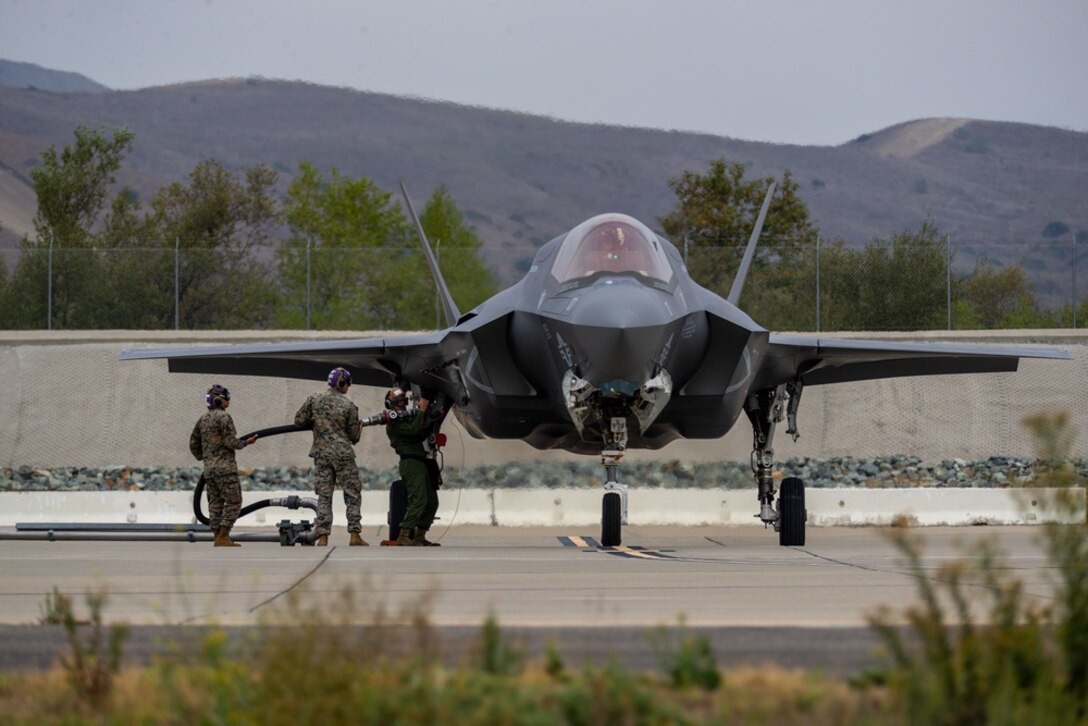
(755,601)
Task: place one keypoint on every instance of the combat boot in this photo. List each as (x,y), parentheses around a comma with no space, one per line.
(422,541)
(406,538)
(322,541)
(358,541)
(222,538)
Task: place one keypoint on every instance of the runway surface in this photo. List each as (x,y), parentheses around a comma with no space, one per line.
(754,599)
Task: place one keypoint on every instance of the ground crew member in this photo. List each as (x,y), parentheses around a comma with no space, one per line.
(214,441)
(335,422)
(412,435)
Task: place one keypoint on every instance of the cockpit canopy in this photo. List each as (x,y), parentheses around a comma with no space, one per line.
(612,243)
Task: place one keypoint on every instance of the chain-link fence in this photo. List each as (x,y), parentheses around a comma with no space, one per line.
(792,286)
(900,287)
(202,289)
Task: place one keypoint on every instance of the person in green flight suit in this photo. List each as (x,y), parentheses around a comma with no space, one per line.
(412,434)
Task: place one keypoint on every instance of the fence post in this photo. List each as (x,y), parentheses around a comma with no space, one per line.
(437,303)
(1074,281)
(817,282)
(308,242)
(49,287)
(177,283)
(948,280)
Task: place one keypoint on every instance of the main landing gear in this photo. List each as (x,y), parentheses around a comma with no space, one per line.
(765,410)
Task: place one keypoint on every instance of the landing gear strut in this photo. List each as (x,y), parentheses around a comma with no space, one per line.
(614,503)
(765,410)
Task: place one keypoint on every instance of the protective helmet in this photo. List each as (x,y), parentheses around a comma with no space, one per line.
(396,399)
(338,377)
(608,238)
(215,396)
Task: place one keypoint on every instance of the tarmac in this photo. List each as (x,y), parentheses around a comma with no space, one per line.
(755,601)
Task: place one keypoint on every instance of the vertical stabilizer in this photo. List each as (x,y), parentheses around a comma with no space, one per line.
(448,305)
(750,250)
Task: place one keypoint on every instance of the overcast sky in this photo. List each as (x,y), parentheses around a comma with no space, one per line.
(792,71)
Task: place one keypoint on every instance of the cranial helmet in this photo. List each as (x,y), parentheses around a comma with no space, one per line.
(396,399)
(216,396)
(608,237)
(338,377)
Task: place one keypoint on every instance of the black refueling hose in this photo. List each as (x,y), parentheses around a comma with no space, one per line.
(291,502)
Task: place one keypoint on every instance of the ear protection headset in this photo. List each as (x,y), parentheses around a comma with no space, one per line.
(396,399)
(338,377)
(216,396)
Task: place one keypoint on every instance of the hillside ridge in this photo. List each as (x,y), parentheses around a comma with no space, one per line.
(522,179)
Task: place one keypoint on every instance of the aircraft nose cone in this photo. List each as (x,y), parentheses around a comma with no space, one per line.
(620,303)
(621,334)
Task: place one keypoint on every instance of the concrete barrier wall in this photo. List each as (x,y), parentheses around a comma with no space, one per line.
(567,507)
(65,400)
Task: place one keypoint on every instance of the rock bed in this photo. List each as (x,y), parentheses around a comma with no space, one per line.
(893,471)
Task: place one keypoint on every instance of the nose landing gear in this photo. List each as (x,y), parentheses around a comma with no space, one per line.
(614,503)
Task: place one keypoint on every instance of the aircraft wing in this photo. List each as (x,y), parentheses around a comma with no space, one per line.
(372,361)
(817,360)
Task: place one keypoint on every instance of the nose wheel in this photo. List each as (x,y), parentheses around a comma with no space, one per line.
(614,502)
(613,514)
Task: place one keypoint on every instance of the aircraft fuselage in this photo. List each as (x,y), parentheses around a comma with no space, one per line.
(621,344)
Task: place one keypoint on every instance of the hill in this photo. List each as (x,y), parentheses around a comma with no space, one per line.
(522,179)
(28,75)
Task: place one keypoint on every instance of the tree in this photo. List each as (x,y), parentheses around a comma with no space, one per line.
(217,223)
(72,187)
(840,271)
(458,248)
(991,297)
(902,283)
(715,215)
(339,270)
(358,260)
(58,280)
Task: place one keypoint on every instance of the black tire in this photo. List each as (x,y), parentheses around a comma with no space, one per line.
(398,507)
(791,513)
(611,519)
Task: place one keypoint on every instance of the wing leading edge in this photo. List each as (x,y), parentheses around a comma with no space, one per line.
(816,360)
(372,361)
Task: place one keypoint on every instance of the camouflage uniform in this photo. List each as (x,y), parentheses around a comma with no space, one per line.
(420,474)
(335,421)
(214,441)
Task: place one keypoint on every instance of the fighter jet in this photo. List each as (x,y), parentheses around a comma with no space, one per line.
(607,344)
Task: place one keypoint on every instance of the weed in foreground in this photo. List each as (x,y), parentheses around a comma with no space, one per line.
(495,654)
(318,665)
(92,661)
(1022,663)
(686,659)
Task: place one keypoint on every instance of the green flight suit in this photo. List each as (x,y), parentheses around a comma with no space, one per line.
(406,435)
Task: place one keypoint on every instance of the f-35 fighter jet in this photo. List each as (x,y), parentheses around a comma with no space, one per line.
(607,344)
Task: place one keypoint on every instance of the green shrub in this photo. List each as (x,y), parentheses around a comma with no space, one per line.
(686,659)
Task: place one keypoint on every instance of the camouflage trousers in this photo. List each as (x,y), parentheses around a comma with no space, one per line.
(224,500)
(327,474)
